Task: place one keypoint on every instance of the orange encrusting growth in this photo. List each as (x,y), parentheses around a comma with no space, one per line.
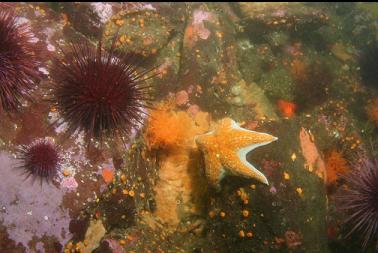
(372,110)
(169,129)
(335,164)
(287,108)
(108,175)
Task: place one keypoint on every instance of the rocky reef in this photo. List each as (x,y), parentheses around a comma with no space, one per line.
(302,72)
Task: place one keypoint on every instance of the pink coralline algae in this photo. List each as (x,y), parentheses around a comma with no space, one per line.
(198,17)
(115,246)
(294,49)
(292,239)
(30,211)
(69,183)
(273,190)
(197,29)
(182,97)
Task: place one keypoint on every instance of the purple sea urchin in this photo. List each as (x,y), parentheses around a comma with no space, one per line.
(98,92)
(40,159)
(18,62)
(359,200)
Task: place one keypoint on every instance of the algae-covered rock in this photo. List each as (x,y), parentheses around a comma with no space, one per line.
(141,32)
(289,215)
(83,18)
(250,62)
(168,60)
(277,38)
(251,95)
(278,84)
(207,45)
(262,17)
(93,236)
(371,8)
(208,58)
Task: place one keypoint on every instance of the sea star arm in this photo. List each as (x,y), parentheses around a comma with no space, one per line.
(214,170)
(241,167)
(248,169)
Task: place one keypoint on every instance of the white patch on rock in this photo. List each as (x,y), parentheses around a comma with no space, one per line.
(103,10)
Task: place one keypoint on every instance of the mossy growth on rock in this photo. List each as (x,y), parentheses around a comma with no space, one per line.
(138,32)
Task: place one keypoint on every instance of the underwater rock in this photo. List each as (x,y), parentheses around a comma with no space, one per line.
(368,62)
(208,59)
(278,84)
(28,211)
(250,61)
(312,84)
(328,34)
(371,8)
(83,19)
(93,236)
(243,94)
(277,38)
(119,209)
(262,17)
(341,52)
(103,10)
(372,110)
(141,32)
(168,61)
(291,215)
(281,58)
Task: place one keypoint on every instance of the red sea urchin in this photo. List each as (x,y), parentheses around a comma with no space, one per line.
(359,200)
(18,62)
(98,92)
(40,159)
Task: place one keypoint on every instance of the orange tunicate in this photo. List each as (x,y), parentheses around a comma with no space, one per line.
(169,129)
(335,164)
(108,175)
(287,108)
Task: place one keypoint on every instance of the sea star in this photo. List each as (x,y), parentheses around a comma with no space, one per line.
(225,149)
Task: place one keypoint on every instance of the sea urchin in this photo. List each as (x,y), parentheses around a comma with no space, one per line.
(18,62)
(360,200)
(101,93)
(40,159)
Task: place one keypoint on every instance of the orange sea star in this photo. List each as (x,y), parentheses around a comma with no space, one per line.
(225,150)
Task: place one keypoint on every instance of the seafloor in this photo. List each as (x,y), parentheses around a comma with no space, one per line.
(305,73)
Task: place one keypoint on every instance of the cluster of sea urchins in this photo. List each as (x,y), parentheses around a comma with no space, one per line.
(359,200)
(99,92)
(18,62)
(40,159)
